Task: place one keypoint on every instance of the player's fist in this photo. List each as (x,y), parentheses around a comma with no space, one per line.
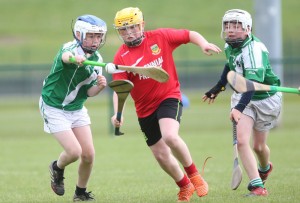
(115,122)
(101,81)
(110,68)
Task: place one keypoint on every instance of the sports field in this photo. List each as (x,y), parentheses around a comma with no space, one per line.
(125,170)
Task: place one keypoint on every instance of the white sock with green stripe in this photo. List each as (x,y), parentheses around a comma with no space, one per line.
(257,182)
(264,169)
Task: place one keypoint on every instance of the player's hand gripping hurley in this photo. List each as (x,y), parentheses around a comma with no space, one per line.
(241,85)
(237,171)
(122,89)
(154,72)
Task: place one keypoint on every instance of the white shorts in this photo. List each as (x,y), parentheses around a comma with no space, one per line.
(57,120)
(264,112)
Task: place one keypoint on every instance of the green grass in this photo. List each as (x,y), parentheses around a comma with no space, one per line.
(32,31)
(125,170)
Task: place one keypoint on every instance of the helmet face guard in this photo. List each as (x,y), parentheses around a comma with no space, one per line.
(135,32)
(129,23)
(89,24)
(233,19)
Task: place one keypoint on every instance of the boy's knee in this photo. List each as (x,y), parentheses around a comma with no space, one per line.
(88,157)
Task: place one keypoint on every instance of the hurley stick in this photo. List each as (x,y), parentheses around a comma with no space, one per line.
(237,171)
(122,89)
(241,84)
(154,72)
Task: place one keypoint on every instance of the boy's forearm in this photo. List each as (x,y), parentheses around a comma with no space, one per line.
(94,90)
(197,39)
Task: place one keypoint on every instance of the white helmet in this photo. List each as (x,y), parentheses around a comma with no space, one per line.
(89,24)
(238,15)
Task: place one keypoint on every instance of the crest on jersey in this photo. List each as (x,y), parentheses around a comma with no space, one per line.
(155,49)
(89,69)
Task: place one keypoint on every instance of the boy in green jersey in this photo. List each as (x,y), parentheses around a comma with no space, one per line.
(254,113)
(64,92)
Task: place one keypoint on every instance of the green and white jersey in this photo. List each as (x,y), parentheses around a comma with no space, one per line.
(66,85)
(252,61)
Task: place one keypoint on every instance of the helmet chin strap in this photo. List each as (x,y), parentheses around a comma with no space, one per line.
(89,51)
(235,43)
(135,42)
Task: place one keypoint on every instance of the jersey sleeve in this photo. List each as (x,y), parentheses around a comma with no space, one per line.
(175,37)
(256,62)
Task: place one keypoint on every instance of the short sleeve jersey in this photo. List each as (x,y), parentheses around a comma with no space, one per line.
(252,61)
(66,85)
(156,49)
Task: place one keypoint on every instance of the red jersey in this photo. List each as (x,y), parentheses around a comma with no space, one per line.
(155,50)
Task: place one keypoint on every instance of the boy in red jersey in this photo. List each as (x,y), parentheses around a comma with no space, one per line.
(158,105)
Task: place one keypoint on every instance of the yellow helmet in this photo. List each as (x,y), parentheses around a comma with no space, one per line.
(128,16)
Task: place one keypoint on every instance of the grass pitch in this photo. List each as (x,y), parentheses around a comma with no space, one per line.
(125,170)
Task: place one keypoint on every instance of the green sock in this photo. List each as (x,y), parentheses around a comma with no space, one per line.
(257,182)
(265,169)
